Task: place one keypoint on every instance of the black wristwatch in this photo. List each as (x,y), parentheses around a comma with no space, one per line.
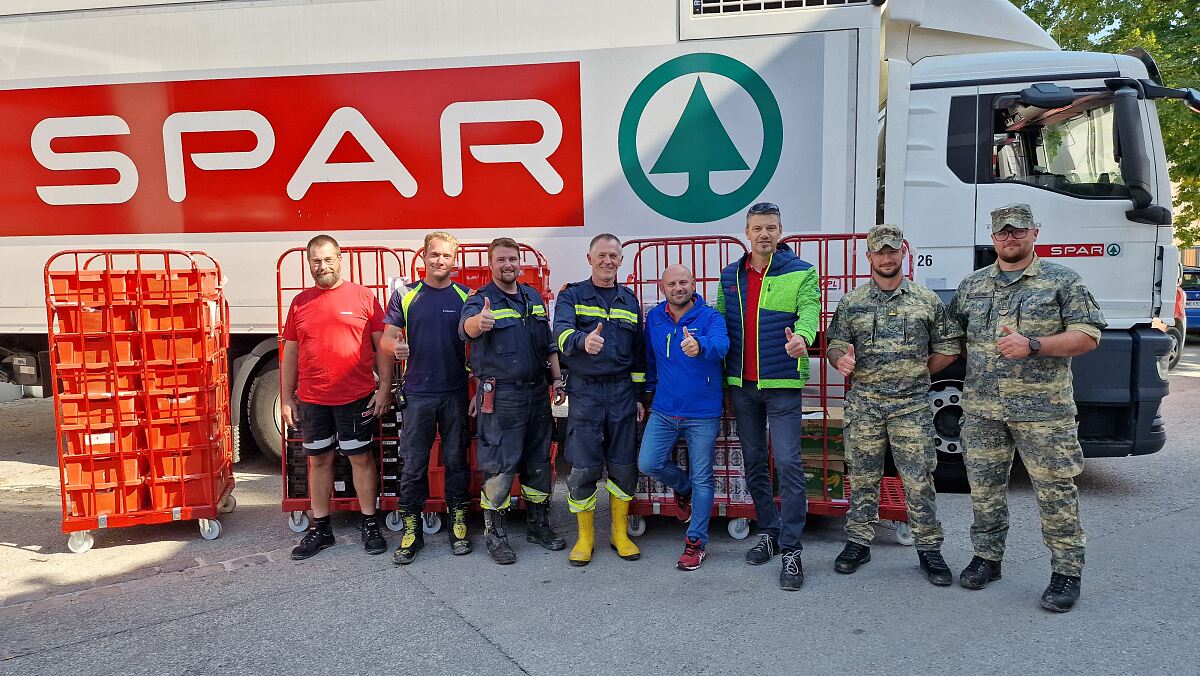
(1034,345)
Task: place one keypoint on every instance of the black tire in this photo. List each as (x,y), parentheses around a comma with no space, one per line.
(1177,343)
(262,410)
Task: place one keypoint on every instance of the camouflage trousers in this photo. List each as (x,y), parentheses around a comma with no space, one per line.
(1051,453)
(867,441)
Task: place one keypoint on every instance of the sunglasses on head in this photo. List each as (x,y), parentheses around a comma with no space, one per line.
(763,208)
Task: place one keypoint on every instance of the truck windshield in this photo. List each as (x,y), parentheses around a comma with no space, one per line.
(1071,150)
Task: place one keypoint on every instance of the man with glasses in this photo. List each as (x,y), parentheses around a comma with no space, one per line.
(1024,319)
(771,304)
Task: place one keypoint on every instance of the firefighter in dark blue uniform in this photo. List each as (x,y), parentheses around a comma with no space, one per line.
(598,329)
(512,357)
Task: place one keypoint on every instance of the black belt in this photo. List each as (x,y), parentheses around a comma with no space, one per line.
(601,379)
(521,383)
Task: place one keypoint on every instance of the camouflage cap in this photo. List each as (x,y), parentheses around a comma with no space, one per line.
(885,235)
(1014,215)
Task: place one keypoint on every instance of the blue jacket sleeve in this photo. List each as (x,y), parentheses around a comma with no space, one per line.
(714,344)
(472,307)
(568,339)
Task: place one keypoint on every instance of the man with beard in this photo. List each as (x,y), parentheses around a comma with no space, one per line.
(331,340)
(1024,319)
(686,342)
(514,360)
(889,335)
(422,329)
(598,328)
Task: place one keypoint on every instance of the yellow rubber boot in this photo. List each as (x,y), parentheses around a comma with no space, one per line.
(619,537)
(581,553)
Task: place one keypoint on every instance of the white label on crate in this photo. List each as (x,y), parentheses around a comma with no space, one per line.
(339,485)
(102,438)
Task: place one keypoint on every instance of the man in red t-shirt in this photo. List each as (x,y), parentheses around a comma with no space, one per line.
(331,341)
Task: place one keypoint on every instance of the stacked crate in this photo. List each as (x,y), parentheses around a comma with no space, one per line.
(138,345)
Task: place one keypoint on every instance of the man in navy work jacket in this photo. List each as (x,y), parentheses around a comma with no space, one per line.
(598,328)
(686,342)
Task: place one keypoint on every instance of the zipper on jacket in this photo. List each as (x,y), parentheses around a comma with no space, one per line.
(762,288)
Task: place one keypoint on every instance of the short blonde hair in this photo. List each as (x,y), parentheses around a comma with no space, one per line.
(443,236)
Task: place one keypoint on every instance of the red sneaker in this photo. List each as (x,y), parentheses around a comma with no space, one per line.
(683,507)
(693,555)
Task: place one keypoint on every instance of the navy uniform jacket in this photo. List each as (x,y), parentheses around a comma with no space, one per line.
(518,347)
(578,310)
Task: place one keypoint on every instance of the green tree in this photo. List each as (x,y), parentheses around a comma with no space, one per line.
(699,145)
(1169,30)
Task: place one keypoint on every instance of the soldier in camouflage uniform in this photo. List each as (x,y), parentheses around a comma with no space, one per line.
(1024,319)
(889,335)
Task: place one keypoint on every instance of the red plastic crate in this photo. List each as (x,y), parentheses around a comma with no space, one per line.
(190,315)
(103,440)
(178,285)
(184,403)
(107,501)
(194,375)
(166,347)
(189,461)
(73,350)
(92,319)
(169,493)
(82,409)
(99,382)
(104,471)
(170,434)
(92,286)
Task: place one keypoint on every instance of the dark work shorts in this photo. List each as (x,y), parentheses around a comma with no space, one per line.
(352,426)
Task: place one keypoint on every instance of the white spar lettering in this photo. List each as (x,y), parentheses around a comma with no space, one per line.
(384,165)
(73,127)
(535,157)
(213,120)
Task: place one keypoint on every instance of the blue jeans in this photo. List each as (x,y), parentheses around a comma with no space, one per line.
(654,460)
(782,410)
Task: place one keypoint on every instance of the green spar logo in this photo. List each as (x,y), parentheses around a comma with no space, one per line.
(700,145)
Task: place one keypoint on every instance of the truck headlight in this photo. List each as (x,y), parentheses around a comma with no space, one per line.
(1164,365)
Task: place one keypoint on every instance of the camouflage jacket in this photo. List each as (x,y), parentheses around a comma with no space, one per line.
(893,335)
(1046,300)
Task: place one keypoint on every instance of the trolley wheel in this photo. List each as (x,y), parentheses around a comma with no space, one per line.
(80,541)
(210,529)
(636,526)
(227,504)
(393,521)
(298,521)
(739,529)
(431,522)
(904,534)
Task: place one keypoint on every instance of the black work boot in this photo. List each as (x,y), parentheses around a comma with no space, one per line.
(792,575)
(372,537)
(537,526)
(412,538)
(978,573)
(935,568)
(762,551)
(496,538)
(459,543)
(853,555)
(319,537)
(1062,593)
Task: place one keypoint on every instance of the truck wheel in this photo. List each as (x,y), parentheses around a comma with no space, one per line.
(945,398)
(1177,341)
(266,424)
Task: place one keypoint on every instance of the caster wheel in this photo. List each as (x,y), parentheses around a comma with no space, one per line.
(210,529)
(904,534)
(227,504)
(298,521)
(739,529)
(636,526)
(80,541)
(393,522)
(431,522)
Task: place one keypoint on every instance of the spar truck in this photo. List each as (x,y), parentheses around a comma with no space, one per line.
(241,129)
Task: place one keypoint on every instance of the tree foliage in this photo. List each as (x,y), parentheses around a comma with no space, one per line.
(1170,31)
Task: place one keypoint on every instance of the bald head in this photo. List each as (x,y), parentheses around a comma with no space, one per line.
(677,285)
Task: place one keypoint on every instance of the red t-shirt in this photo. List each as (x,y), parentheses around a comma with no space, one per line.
(754,280)
(337,355)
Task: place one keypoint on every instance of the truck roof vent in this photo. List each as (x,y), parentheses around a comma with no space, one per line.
(700,7)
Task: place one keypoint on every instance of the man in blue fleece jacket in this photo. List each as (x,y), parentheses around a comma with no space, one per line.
(686,342)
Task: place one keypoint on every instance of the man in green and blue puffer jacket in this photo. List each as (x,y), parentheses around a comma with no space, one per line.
(771,302)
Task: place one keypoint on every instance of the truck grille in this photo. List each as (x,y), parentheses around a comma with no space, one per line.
(730,6)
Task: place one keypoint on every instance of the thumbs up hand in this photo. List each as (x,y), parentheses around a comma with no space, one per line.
(846,363)
(487,320)
(1012,345)
(691,346)
(400,349)
(796,346)
(594,343)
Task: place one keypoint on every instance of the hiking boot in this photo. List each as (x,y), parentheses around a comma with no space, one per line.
(537,526)
(1062,593)
(935,568)
(372,537)
(766,547)
(496,538)
(312,542)
(412,539)
(853,555)
(459,543)
(978,573)
(683,508)
(693,555)
(792,576)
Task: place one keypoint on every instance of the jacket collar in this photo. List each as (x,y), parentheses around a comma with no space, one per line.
(699,306)
(1034,268)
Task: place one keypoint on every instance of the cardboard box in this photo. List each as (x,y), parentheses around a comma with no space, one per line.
(815,476)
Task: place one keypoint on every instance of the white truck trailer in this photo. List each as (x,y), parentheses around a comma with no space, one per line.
(243,127)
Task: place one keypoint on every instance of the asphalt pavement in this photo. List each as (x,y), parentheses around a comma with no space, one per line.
(159,599)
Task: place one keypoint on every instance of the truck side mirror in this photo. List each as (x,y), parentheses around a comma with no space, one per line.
(1047,95)
(1136,166)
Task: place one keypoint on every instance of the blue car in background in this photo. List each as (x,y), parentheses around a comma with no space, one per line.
(1190,283)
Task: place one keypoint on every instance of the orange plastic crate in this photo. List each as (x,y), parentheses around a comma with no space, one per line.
(107,501)
(103,441)
(173,377)
(104,471)
(185,403)
(181,346)
(99,382)
(93,319)
(179,316)
(169,493)
(75,350)
(178,285)
(189,461)
(92,287)
(82,409)
(168,435)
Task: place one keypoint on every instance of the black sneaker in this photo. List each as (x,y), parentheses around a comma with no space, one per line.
(766,547)
(459,543)
(852,556)
(312,542)
(978,573)
(412,539)
(372,537)
(791,578)
(935,568)
(1062,593)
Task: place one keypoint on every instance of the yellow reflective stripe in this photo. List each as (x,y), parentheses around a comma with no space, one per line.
(617,313)
(617,492)
(487,504)
(562,340)
(461,293)
(586,505)
(407,300)
(506,314)
(591,311)
(639,377)
(534,495)
(539,310)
